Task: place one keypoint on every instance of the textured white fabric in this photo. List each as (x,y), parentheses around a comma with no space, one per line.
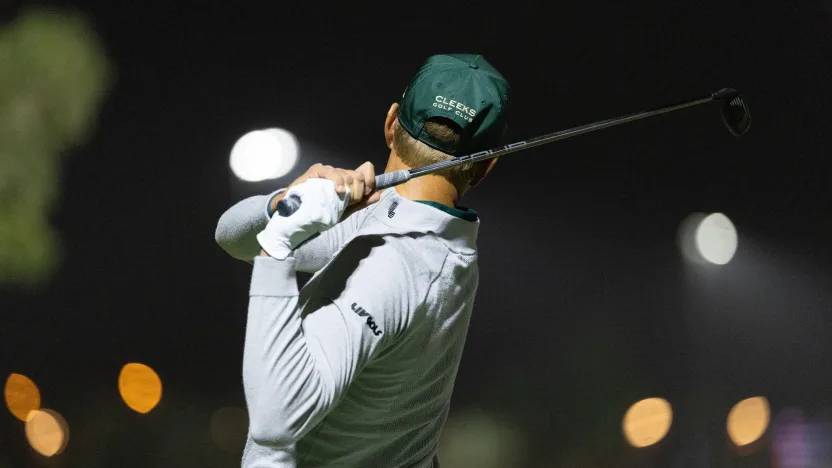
(321,208)
(357,368)
(238,227)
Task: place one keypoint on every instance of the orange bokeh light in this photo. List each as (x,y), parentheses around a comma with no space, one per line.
(748,420)
(140,387)
(647,422)
(22,396)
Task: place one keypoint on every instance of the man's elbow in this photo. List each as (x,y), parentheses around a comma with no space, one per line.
(272,433)
(275,424)
(278,427)
(230,239)
(220,235)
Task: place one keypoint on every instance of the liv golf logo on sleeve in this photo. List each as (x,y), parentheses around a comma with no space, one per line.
(371,324)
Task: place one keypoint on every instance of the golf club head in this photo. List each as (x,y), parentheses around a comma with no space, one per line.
(735,112)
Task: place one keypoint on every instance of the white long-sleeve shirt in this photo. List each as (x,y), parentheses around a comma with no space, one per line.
(357,368)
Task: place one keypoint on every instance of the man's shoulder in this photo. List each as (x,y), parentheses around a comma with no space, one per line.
(418,256)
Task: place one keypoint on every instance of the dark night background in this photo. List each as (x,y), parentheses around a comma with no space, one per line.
(585,304)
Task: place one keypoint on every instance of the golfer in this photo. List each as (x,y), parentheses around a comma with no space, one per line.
(356,369)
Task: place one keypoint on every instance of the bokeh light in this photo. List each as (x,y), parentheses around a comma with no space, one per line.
(264,154)
(647,422)
(140,387)
(791,440)
(477,439)
(21,395)
(716,239)
(229,428)
(55,76)
(709,238)
(748,420)
(800,440)
(47,432)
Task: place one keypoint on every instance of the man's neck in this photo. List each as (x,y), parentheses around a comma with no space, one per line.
(431,187)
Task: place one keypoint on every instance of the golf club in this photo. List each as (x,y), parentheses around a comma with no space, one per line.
(735,115)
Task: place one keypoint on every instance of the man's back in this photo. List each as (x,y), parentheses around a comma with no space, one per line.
(392,413)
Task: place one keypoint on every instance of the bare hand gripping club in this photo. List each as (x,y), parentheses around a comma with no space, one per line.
(735,115)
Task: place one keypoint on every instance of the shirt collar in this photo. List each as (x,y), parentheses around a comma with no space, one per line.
(459,211)
(398,215)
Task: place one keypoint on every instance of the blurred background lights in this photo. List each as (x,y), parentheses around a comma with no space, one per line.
(55,76)
(748,420)
(716,239)
(21,395)
(229,428)
(47,432)
(140,387)
(476,439)
(647,422)
(799,440)
(264,154)
(708,238)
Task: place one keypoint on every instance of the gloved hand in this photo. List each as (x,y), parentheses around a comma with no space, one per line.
(321,208)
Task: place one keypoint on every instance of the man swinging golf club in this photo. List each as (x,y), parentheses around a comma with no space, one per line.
(357,368)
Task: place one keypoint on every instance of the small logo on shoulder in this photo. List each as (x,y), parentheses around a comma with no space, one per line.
(391,211)
(371,324)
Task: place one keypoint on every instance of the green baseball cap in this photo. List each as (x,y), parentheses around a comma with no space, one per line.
(464,88)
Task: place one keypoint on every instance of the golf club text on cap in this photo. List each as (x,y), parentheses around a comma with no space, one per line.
(464,88)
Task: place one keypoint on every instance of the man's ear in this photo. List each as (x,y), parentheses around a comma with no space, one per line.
(481,170)
(392,115)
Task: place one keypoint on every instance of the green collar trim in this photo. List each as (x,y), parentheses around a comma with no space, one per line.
(460,212)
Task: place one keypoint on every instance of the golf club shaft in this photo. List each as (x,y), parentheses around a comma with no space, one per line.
(381,183)
(288,206)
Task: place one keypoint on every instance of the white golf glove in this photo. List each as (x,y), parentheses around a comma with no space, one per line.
(321,208)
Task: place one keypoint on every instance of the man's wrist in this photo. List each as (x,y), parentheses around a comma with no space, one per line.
(271,207)
(289,255)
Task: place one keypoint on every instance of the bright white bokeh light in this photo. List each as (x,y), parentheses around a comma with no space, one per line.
(47,432)
(264,154)
(716,239)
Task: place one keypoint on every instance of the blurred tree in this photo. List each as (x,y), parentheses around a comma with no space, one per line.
(54,75)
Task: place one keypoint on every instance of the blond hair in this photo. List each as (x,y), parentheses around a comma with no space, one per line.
(417,154)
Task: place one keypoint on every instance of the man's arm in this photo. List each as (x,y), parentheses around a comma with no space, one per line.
(238,227)
(297,366)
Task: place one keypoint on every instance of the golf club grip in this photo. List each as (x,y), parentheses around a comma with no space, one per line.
(291,203)
(390,179)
